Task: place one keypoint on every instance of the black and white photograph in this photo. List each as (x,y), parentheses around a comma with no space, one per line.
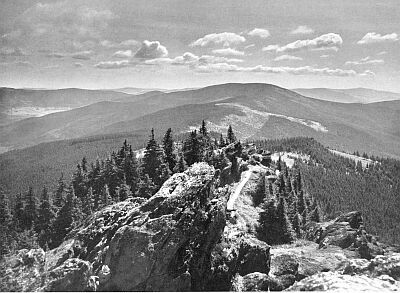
(182,145)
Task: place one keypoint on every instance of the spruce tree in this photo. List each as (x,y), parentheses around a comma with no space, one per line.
(230,135)
(46,216)
(296,224)
(203,129)
(59,196)
(153,157)
(124,191)
(192,149)
(6,228)
(105,197)
(221,142)
(68,216)
(146,187)
(315,215)
(19,213)
(301,203)
(287,234)
(168,145)
(30,209)
(88,202)
(269,227)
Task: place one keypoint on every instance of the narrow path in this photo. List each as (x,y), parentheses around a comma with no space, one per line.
(239,187)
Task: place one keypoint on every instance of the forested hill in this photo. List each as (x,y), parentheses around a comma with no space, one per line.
(341,185)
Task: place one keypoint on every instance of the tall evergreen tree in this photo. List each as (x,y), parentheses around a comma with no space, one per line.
(46,216)
(221,142)
(168,145)
(88,202)
(192,149)
(203,128)
(69,214)
(146,187)
(19,213)
(59,196)
(230,135)
(5,223)
(269,226)
(153,157)
(181,166)
(124,191)
(287,234)
(30,209)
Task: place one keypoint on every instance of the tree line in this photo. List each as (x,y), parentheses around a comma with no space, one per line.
(46,219)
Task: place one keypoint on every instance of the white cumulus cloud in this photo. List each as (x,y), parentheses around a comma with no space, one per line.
(371,38)
(366,60)
(323,42)
(113,64)
(228,52)
(270,48)
(151,50)
(82,55)
(287,57)
(302,30)
(123,54)
(259,32)
(226,38)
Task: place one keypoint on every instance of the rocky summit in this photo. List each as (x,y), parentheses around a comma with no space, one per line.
(194,235)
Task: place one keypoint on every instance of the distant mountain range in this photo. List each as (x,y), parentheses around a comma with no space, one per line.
(254,110)
(356,95)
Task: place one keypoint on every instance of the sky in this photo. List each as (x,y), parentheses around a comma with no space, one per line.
(171,44)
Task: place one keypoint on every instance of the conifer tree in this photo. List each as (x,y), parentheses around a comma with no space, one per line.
(168,145)
(203,129)
(59,196)
(19,213)
(192,149)
(221,142)
(181,166)
(69,214)
(301,203)
(30,209)
(46,216)
(88,202)
(153,157)
(230,135)
(78,182)
(279,164)
(287,234)
(105,197)
(146,187)
(269,227)
(296,224)
(5,223)
(123,191)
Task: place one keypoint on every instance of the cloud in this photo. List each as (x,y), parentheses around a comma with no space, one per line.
(259,32)
(367,73)
(381,53)
(23,63)
(228,52)
(151,50)
(324,56)
(371,38)
(366,60)
(227,39)
(123,54)
(287,57)
(78,64)
(249,46)
(65,18)
(192,60)
(9,51)
(113,64)
(270,48)
(324,42)
(304,70)
(83,55)
(302,30)
(121,45)
(56,55)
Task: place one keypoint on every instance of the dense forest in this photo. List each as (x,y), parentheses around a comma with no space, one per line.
(341,185)
(321,188)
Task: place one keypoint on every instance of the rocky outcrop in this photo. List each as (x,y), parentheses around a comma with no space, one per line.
(160,244)
(335,282)
(346,231)
(382,272)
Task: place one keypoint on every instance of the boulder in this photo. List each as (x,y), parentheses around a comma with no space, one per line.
(336,282)
(346,231)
